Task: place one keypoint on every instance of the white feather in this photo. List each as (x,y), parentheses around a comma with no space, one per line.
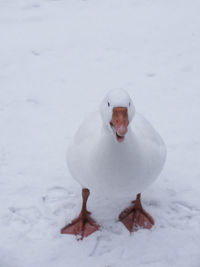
(117,170)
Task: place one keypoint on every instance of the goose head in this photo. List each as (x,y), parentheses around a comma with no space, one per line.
(117,111)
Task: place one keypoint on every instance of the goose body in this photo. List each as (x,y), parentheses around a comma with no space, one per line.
(111,168)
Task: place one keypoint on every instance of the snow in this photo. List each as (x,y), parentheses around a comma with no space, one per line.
(58,59)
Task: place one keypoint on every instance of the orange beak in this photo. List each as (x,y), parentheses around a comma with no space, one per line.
(119,122)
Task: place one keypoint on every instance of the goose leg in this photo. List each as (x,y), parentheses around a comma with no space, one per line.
(136,217)
(83,225)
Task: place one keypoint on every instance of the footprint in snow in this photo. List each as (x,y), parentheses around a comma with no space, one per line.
(186,211)
(59,201)
(22,219)
(180,214)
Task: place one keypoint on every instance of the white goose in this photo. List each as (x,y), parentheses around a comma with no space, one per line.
(112,156)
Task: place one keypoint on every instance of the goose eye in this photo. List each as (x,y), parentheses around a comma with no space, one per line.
(108,104)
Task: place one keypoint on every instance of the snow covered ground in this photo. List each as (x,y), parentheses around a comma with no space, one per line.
(58,59)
